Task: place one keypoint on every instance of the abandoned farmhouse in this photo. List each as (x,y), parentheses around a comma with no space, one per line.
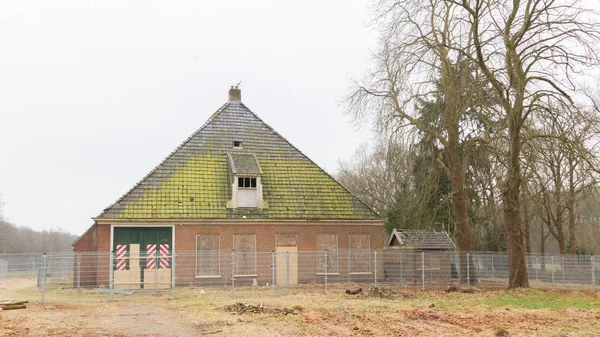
(234,185)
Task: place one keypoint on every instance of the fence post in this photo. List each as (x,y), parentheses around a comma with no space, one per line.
(326,270)
(79,272)
(156,266)
(593,260)
(563,270)
(173,274)
(552,263)
(232,272)
(111,275)
(468,269)
(44,278)
(401,261)
(423,271)
(537,267)
(349,266)
(287,272)
(430,268)
(273,273)
(493,265)
(375,267)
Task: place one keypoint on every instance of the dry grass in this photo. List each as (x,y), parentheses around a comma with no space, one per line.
(432,313)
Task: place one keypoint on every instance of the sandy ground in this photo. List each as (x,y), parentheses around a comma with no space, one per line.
(432,313)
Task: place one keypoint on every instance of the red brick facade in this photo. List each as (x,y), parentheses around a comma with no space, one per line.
(97,240)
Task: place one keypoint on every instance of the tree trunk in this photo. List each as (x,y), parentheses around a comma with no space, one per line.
(456,168)
(512,219)
(543,246)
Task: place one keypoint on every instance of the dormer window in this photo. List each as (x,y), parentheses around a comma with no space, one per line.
(245,178)
(237,144)
(246,193)
(245,182)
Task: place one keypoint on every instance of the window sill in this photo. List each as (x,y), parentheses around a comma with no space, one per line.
(323,274)
(207,276)
(253,275)
(361,273)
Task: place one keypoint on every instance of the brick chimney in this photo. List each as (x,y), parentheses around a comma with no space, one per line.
(235,93)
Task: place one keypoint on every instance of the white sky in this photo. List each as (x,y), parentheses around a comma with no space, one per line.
(94,94)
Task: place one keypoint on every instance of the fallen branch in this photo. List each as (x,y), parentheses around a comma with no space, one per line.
(12,305)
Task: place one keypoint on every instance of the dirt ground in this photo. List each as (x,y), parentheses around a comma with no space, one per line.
(311,313)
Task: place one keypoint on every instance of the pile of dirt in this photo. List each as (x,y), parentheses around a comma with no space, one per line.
(388,293)
(241,308)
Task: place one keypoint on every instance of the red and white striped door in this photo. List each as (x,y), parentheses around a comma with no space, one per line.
(121,257)
(164,256)
(150,256)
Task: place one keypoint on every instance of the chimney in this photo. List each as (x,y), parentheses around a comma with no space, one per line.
(235,93)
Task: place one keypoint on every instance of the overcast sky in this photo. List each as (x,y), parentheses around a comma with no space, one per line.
(94,94)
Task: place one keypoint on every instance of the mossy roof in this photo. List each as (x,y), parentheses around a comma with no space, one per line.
(193,182)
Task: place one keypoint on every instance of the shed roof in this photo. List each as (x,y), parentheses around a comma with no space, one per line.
(420,239)
(193,181)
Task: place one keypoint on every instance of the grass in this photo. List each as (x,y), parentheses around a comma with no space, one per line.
(521,298)
(547,313)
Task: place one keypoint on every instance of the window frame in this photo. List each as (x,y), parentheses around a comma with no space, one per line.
(337,255)
(255,274)
(251,181)
(196,274)
(367,251)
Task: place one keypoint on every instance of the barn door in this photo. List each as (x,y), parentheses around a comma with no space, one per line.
(286,244)
(138,269)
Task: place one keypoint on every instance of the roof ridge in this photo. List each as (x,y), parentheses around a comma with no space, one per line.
(308,158)
(187,140)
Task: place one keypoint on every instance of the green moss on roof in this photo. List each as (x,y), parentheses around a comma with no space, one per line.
(193,181)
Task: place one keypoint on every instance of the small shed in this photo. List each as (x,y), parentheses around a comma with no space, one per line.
(420,253)
(420,239)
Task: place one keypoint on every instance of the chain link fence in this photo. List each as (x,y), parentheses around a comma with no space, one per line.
(284,272)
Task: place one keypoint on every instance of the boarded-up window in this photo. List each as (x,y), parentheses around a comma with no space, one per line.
(360,256)
(244,246)
(207,255)
(287,240)
(327,242)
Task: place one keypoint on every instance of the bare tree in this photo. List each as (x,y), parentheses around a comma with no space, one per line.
(530,51)
(422,82)
(376,176)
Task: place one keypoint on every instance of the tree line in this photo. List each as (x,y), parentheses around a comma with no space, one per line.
(15,239)
(486,118)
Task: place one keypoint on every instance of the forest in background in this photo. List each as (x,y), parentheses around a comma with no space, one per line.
(15,239)
(487,120)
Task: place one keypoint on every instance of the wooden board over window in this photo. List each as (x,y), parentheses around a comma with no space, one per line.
(327,242)
(287,240)
(360,256)
(244,246)
(207,255)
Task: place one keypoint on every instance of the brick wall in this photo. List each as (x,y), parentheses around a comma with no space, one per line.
(97,240)
(185,240)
